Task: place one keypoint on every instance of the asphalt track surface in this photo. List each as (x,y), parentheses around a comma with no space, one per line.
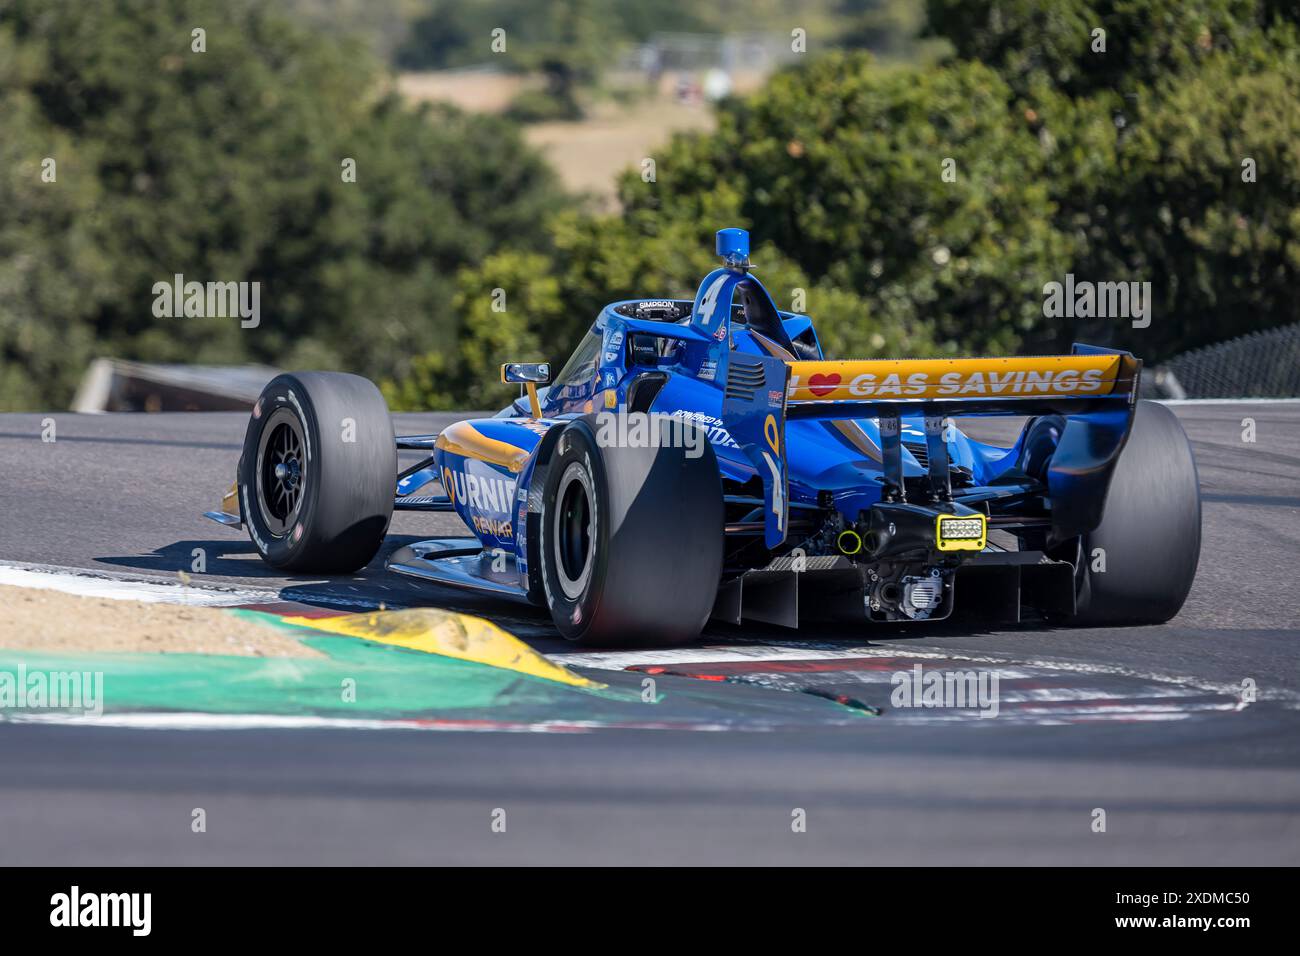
(124,495)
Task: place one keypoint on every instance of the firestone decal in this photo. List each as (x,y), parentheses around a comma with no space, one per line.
(711,426)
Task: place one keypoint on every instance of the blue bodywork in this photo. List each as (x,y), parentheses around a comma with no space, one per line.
(680,352)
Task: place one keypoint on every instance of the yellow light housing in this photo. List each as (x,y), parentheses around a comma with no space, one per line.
(961,532)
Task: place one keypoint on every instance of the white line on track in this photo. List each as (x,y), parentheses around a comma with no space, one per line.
(717,654)
(104,585)
(202,721)
(1228,401)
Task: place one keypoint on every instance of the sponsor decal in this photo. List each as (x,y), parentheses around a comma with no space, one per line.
(710,425)
(771,434)
(538,426)
(821,385)
(495,527)
(480,492)
(940,379)
(708,371)
(774,397)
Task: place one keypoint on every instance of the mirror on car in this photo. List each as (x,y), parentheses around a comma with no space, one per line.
(523,373)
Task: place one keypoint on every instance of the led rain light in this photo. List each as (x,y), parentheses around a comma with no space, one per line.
(961,527)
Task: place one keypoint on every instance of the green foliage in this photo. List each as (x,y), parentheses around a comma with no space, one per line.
(553,300)
(227,165)
(1145,145)
(52,274)
(1122,166)
(841,166)
(542,106)
(1147,41)
(502,305)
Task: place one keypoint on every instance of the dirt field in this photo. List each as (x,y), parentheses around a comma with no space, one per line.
(43,620)
(588,154)
(476,92)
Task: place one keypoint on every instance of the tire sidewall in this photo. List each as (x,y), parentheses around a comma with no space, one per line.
(573,616)
(1150,533)
(279,550)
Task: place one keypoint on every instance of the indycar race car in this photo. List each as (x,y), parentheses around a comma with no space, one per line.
(702,459)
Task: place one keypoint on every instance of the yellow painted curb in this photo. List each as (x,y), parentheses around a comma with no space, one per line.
(449,634)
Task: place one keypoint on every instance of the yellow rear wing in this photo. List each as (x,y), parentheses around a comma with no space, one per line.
(927,381)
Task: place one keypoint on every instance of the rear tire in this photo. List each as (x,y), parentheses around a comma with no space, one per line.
(319,473)
(1149,539)
(630,540)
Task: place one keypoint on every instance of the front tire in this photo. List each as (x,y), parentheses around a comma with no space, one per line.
(1149,539)
(318,473)
(630,540)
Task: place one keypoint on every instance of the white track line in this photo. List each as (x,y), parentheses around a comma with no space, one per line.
(716,654)
(202,721)
(1228,401)
(103,585)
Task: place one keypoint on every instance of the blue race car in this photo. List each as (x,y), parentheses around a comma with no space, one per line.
(702,459)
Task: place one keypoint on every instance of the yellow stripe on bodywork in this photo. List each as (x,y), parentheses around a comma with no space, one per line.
(858,439)
(770,347)
(448,634)
(464,439)
(1077,375)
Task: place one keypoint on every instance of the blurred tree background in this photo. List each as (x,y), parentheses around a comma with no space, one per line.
(227,165)
(1117,165)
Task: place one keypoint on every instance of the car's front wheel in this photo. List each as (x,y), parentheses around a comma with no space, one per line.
(318,473)
(630,539)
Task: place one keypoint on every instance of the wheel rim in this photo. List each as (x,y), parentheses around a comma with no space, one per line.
(281,472)
(574,538)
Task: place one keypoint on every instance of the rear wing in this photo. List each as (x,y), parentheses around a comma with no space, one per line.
(1007,386)
(1094,388)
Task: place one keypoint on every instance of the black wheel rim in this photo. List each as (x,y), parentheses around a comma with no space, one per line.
(574,531)
(281,471)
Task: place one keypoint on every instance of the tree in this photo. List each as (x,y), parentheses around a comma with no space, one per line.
(270,156)
(946,200)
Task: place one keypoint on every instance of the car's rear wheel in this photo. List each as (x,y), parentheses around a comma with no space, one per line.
(1137,566)
(318,472)
(630,539)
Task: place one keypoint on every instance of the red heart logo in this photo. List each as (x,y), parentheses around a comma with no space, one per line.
(823,384)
